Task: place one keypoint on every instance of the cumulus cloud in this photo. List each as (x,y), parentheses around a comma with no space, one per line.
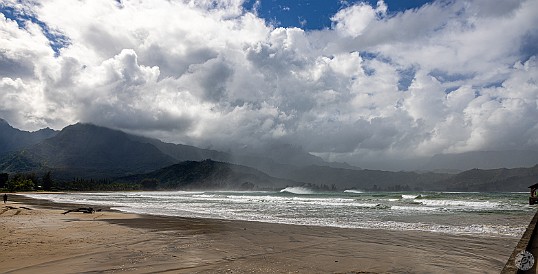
(352,21)
(446,77)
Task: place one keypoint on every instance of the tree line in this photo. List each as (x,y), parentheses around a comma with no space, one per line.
(26,182)
(19,182)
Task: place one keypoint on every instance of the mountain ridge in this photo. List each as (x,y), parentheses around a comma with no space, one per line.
(483,160)
(95,151)
(12,139)
(493,180)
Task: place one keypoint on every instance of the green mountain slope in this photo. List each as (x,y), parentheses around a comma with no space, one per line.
(85,150)
(209,174)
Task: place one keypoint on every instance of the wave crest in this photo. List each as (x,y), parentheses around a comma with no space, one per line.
(353,191)
(297,190)
(407,197)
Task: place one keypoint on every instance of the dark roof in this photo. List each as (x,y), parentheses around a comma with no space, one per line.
(534,186)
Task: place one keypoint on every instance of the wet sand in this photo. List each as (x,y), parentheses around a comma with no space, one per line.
(42,240)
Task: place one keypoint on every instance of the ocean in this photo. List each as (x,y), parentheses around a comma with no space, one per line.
(481,214)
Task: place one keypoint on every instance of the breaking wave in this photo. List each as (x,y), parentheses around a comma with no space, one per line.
(404,196)
(353,191)
(456,203)
(297,190)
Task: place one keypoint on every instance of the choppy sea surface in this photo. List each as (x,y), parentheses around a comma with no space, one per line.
(484,214)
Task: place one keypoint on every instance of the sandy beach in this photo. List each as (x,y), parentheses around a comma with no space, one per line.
(37,238)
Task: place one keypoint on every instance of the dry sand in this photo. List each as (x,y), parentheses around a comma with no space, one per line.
(43,240)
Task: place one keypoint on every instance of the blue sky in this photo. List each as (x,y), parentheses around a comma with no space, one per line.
(312,15)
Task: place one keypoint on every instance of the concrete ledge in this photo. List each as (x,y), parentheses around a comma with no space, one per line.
(525,243)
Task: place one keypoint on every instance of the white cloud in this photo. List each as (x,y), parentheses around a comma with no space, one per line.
(212,74)
(352,21)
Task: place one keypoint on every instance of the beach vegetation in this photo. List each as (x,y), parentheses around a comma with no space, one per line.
(21,182)
(82,184)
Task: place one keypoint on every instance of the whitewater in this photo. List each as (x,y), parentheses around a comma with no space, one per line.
(483,214)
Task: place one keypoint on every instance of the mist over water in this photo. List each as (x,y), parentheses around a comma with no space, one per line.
(484,214)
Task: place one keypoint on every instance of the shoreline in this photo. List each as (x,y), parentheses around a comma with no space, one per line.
(515,229)
(114,241)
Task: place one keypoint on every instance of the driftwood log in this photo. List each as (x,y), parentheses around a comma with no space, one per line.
(88,210)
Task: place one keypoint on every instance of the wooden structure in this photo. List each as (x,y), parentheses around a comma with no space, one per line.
(533,199)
